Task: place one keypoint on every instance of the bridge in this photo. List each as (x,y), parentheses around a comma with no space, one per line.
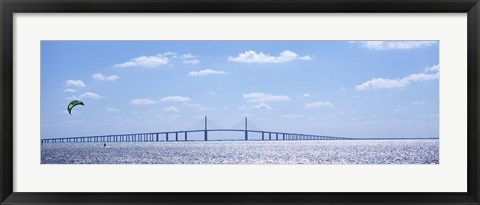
(183,135)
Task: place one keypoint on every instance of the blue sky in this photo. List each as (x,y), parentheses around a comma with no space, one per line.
(337,88)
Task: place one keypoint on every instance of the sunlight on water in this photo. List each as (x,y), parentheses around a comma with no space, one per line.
(245,152)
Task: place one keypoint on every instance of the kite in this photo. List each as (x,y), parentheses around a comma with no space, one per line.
(73,104)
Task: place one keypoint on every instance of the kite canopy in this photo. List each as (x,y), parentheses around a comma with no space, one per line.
(73,104)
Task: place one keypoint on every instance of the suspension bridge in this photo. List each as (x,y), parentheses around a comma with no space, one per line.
(183,135)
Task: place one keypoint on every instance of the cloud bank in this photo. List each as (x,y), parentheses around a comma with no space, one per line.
(394,45)
(207,72)
(100,77)
(254,57)
(385,83)
(264,97)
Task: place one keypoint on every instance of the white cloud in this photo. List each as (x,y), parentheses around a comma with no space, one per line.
(90,95)
(254,57)
(171,109)
(69,90)
(73,97)
(147,61)
(264,97)
(383,83)
(100,77)
(418,102)
(206,72)
(198,106)
(175,99)
(305,58)
(304,95)
(259,106)
(203,108)
(189,59)
(112,109)
(314,105)
(161,59)
(434,68)
(211,93)
(75,83)
(142,101)
(173,54)
(421,77)
(389,45)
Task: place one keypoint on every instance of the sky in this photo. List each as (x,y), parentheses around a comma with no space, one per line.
(334,88)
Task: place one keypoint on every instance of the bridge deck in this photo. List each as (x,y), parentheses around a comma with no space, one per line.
(183,136)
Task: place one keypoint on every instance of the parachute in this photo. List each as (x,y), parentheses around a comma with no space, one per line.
(73,104)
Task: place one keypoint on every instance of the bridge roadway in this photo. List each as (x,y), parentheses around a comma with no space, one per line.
(171,135)
(183,136)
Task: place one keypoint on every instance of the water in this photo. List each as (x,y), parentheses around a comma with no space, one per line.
(245,152)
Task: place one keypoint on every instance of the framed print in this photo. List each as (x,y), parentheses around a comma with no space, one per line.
(239,102)
(222,110)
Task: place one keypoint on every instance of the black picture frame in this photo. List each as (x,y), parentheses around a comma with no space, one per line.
(10,7)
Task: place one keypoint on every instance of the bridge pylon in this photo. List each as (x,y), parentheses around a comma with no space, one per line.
(246,129)
(206,132)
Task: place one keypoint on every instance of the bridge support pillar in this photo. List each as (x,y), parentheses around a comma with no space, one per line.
(206,132)
(246,129)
